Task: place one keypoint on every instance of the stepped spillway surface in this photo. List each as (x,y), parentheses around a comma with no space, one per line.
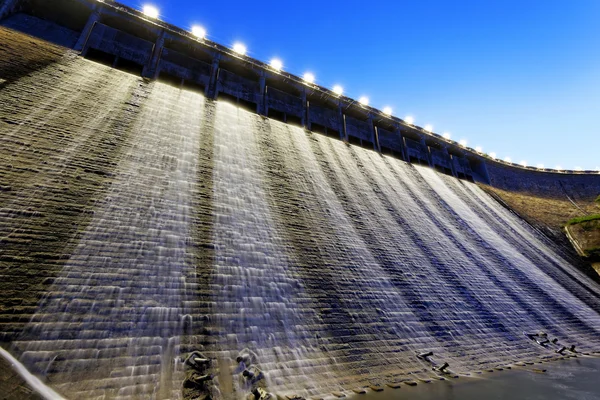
(139,222)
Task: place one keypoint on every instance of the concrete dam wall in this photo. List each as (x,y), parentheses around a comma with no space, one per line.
(140,221)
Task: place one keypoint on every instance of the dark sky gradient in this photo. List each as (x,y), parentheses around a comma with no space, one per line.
(520,78)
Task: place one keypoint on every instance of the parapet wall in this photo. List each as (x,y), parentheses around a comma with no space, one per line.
(582,186)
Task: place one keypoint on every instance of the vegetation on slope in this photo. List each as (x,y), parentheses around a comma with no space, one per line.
(548,214)
(586,218)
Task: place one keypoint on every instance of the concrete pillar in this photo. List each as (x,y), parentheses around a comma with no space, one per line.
(262,100)
(151,67)
(481,170)
(211,91)
(8,8)
(342,122)
(374,134)
(402,144)
(305,115)
(484,172)
(427,154)
(87,29)
(405,147)
(452,168)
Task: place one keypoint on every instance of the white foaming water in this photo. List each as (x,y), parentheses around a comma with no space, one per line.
(409,261)
(518,257)
(84,100)
(513,299)
(525,233)
(382,309)
(254,289)
(414,273)
(411,241)
(112,320)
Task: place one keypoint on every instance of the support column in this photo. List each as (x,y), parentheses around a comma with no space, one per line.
(87,29)
(424,144)
(211,90)
(483,172)
(305,117)
(452,168)
(342,123)
(8,8)
(262,100)
(374,134)
(151,67)
(403,150)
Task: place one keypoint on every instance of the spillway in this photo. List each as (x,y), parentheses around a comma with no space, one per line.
(140,222)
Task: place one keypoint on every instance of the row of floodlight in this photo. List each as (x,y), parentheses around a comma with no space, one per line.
(309,78)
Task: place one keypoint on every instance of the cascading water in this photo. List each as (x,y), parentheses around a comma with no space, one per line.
(381,310)
(335,265)
(111,323)
(254,288)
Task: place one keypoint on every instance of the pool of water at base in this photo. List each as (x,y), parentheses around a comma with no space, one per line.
(577,378)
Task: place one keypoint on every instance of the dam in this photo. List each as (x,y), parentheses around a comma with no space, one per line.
(148,211)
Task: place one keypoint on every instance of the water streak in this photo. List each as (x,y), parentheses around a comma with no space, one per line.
(112,318)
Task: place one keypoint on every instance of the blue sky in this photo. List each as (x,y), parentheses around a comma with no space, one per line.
(519,78)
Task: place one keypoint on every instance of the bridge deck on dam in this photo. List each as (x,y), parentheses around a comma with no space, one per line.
(140,221)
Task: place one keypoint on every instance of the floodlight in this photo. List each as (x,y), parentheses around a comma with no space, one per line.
(198,31)
(463,142)
(540,166)
(309,78)
(150,11)
(428,128)
(523,163)
(387,110)
(493,155)
(507,159)
(364,101)
(446,135)
(239,48)
(409,120)
(276,64)
(337,89)
(478,149)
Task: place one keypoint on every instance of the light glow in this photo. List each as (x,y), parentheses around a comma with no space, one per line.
(364,100)
(276,64)
(540,166)
(446,135)
(558,168)
(463,142)
(387,110)
(493,155)
(428,128)
(309,77)
(409,120)
(578,169)
(239,48)
(478,149)
(507,159)
(198,31)
(523,163)
(150,11)
(337,89)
